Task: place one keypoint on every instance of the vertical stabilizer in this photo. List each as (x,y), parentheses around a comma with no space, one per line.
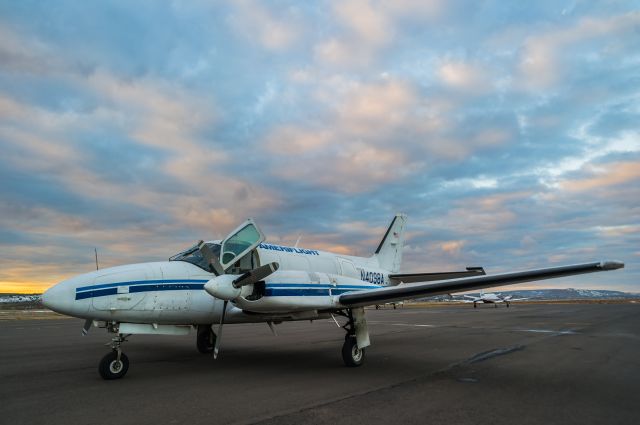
(389,252)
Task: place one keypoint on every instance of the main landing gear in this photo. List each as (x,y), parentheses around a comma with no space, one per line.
(206,339)
(115,364)
(351,354)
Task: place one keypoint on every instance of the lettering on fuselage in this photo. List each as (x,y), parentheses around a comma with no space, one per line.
(288,249)
(372,277)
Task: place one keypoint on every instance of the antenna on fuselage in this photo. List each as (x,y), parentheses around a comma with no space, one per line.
(298,241)
(96,252)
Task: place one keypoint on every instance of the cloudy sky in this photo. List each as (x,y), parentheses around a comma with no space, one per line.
(509,132)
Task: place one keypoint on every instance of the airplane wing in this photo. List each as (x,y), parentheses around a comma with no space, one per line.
(428,277)
(419,290)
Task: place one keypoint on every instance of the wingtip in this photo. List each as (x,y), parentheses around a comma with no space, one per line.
(611,265)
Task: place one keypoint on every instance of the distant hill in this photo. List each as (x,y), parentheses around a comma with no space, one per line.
(558,294)
(20,301)
(19,298)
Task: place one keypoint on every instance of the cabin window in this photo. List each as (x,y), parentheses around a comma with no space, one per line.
(348,269)
(193,256)
(239,243)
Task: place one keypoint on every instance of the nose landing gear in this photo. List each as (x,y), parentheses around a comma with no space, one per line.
(115,364)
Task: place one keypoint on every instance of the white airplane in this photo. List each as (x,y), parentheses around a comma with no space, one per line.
(491,298)
(242,279)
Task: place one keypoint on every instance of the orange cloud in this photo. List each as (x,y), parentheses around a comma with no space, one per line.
(605,176)
(452,247)
(370,27)
(464,76)
(253,20)
(541,64)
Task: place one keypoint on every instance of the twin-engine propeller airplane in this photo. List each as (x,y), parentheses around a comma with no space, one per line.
(491,298)
(242,279)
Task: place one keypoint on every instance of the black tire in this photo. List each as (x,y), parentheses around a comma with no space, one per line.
(206,339)
(110,368)
(351,354)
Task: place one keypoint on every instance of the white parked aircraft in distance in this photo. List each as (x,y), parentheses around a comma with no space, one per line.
(242,279)
(491,298)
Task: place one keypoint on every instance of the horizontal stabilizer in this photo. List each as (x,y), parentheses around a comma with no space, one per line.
(430,277)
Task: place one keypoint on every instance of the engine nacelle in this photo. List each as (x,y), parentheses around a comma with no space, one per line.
(290,291)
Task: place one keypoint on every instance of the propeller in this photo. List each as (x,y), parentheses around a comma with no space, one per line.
(86,326)
(228,287)
(211,258)
(255,275)
(216,348)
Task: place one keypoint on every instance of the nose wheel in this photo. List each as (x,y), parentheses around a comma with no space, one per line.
(115,364)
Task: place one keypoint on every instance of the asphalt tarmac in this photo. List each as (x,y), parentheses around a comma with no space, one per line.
(528,364)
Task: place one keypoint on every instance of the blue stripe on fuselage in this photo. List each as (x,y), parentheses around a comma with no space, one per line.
(139,288)
(137,282)
(275,292)
(319,285)
(271,289)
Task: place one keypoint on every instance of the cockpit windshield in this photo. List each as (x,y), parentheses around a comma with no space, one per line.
(193,256)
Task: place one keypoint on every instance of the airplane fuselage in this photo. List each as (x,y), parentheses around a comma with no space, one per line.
(491,299)
(171,292)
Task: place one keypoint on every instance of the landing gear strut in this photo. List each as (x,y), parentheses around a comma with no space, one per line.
(351,354)
(206,339)
(115,364)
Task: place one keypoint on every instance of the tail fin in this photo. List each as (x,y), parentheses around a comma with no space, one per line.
(389,252)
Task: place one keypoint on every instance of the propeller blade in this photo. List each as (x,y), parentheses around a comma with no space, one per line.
(255,275)
(86,326)
(216,348)
(212,260)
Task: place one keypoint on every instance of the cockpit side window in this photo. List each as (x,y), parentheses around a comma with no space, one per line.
(193,256)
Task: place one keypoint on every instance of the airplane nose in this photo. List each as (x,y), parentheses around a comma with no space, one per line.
(58,298)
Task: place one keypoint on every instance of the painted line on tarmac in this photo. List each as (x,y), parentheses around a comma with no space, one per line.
(480,357)
(546,331)
(403,324)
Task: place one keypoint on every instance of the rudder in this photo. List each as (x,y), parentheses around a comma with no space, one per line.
(389,252)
